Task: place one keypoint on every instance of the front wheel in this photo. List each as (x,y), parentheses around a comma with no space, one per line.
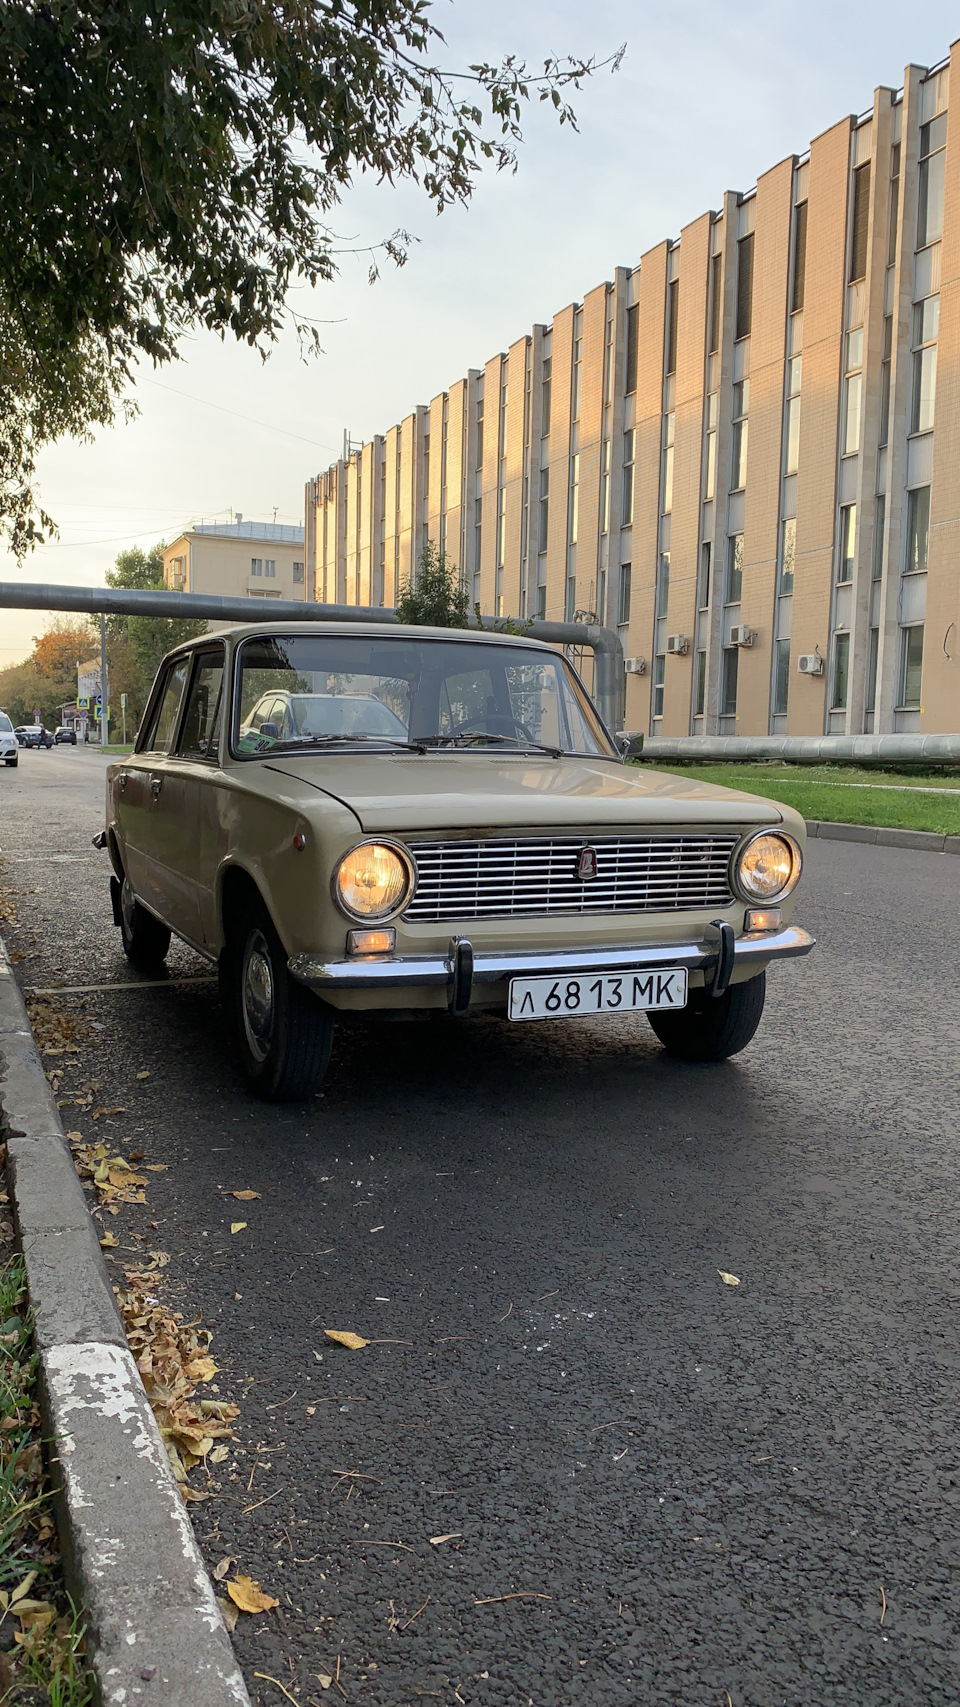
(285,1034)
(13,763)
(145,940)
(712,1028)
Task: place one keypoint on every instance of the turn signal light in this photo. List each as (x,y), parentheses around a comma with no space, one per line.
(372,942)
(763,919)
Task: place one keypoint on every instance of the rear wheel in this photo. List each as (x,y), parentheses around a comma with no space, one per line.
(145,940)
(712,1028)
(284,1033)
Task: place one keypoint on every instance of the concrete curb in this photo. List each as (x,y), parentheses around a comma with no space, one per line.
(922,840)
(154,1629)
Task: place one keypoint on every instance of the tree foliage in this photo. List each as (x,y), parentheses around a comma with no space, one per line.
(173,166)
(146,638)
(47,680)
(433,594)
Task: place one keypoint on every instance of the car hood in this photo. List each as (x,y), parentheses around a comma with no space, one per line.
(405,793)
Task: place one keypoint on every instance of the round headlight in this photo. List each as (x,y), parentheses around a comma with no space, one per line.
(373,881)
(768,867)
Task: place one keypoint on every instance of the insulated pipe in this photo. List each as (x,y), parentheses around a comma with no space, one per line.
(808,749)
(132,601)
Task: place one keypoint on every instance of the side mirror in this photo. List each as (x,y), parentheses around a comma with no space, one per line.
(631,746)
(269,729)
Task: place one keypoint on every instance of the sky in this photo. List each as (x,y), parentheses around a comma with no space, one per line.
(708,97)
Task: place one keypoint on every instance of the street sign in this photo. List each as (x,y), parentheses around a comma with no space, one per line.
(83,703)
(123,701)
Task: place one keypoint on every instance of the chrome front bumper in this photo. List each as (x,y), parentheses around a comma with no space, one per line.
(392,972)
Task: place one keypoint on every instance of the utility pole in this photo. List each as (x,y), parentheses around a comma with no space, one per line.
(104,684)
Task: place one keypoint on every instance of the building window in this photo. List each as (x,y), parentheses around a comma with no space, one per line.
(663,585)
(911,667)
(744,286)
(879,523)
(543,519)
(575,387)
(734,586)
(741,406)
(570,601)
(703,576)
(633,331)
(781,677)
(626,495)
(297,573)
(788,554)
(574,500)
(478,410)
(477,544)
(716,301)
(861,222)
(605,487)
(623,596)
(710,460)
(930,187)
(700,685)
(841,672)
(501,526)
(926,325)
(792,426)
(669,426)
(730,664)
(848,537)
(885,378)
(673,321)
(659,675)
(546,386)
(918,530)
(873,653)
(270,567)
(894,204)
(851,415)
(541,603)
(799,257)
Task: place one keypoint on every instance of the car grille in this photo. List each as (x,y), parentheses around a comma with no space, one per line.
(537,876)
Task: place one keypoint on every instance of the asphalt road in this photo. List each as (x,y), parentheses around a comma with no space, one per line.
(734,1497)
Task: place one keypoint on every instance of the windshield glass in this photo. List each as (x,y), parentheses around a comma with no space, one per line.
(6,727)
(324,691)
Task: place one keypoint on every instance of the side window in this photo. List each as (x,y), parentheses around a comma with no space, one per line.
(201,726)
(164,724)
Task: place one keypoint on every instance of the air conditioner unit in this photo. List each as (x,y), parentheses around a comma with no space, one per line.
(677,643)
(635,666)
(741,635)
(810,664)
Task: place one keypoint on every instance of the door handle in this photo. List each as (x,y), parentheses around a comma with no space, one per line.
(156,786)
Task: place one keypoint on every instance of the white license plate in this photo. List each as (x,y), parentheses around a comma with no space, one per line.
(597,993)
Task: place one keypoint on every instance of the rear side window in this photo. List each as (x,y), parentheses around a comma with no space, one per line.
(163,726)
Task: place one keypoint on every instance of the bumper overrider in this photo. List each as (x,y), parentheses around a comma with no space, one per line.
(463,966)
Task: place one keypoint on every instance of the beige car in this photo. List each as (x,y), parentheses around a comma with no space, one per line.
(367,819)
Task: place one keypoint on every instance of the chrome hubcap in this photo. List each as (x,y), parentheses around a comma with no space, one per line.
(257,995)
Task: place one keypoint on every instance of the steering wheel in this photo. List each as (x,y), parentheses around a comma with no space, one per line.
(495,723)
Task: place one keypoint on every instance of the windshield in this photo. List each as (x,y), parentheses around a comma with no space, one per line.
(6,727)
(329,691)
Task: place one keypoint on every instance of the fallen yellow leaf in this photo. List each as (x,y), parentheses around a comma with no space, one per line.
(228,1613)
(145,1074)
(245,1196)
(249,1596)
(438,1540)
(728,1279)
(108,1242)
(201,1369)
(237,1226)
(353,1342)
(324,1679)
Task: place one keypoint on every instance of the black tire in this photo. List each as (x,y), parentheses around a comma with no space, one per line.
(145,940)
(711,1029)
(284,1033)
(12,763)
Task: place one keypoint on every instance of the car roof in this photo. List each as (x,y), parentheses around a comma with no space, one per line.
(381,630)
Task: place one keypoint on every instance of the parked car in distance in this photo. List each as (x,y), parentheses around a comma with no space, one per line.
(66,735)
(356,820)
(34,735)
(9,745)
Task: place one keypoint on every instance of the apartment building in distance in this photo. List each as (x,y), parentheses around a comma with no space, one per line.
(238,559)
(743,453)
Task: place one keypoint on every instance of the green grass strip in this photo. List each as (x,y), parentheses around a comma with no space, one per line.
(843,796)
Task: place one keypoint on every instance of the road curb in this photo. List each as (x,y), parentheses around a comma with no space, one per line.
(132,1563)
(925,840)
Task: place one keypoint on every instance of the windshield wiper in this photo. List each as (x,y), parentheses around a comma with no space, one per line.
(390,741)
(476,738)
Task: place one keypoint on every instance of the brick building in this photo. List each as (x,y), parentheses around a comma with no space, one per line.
(744,453)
